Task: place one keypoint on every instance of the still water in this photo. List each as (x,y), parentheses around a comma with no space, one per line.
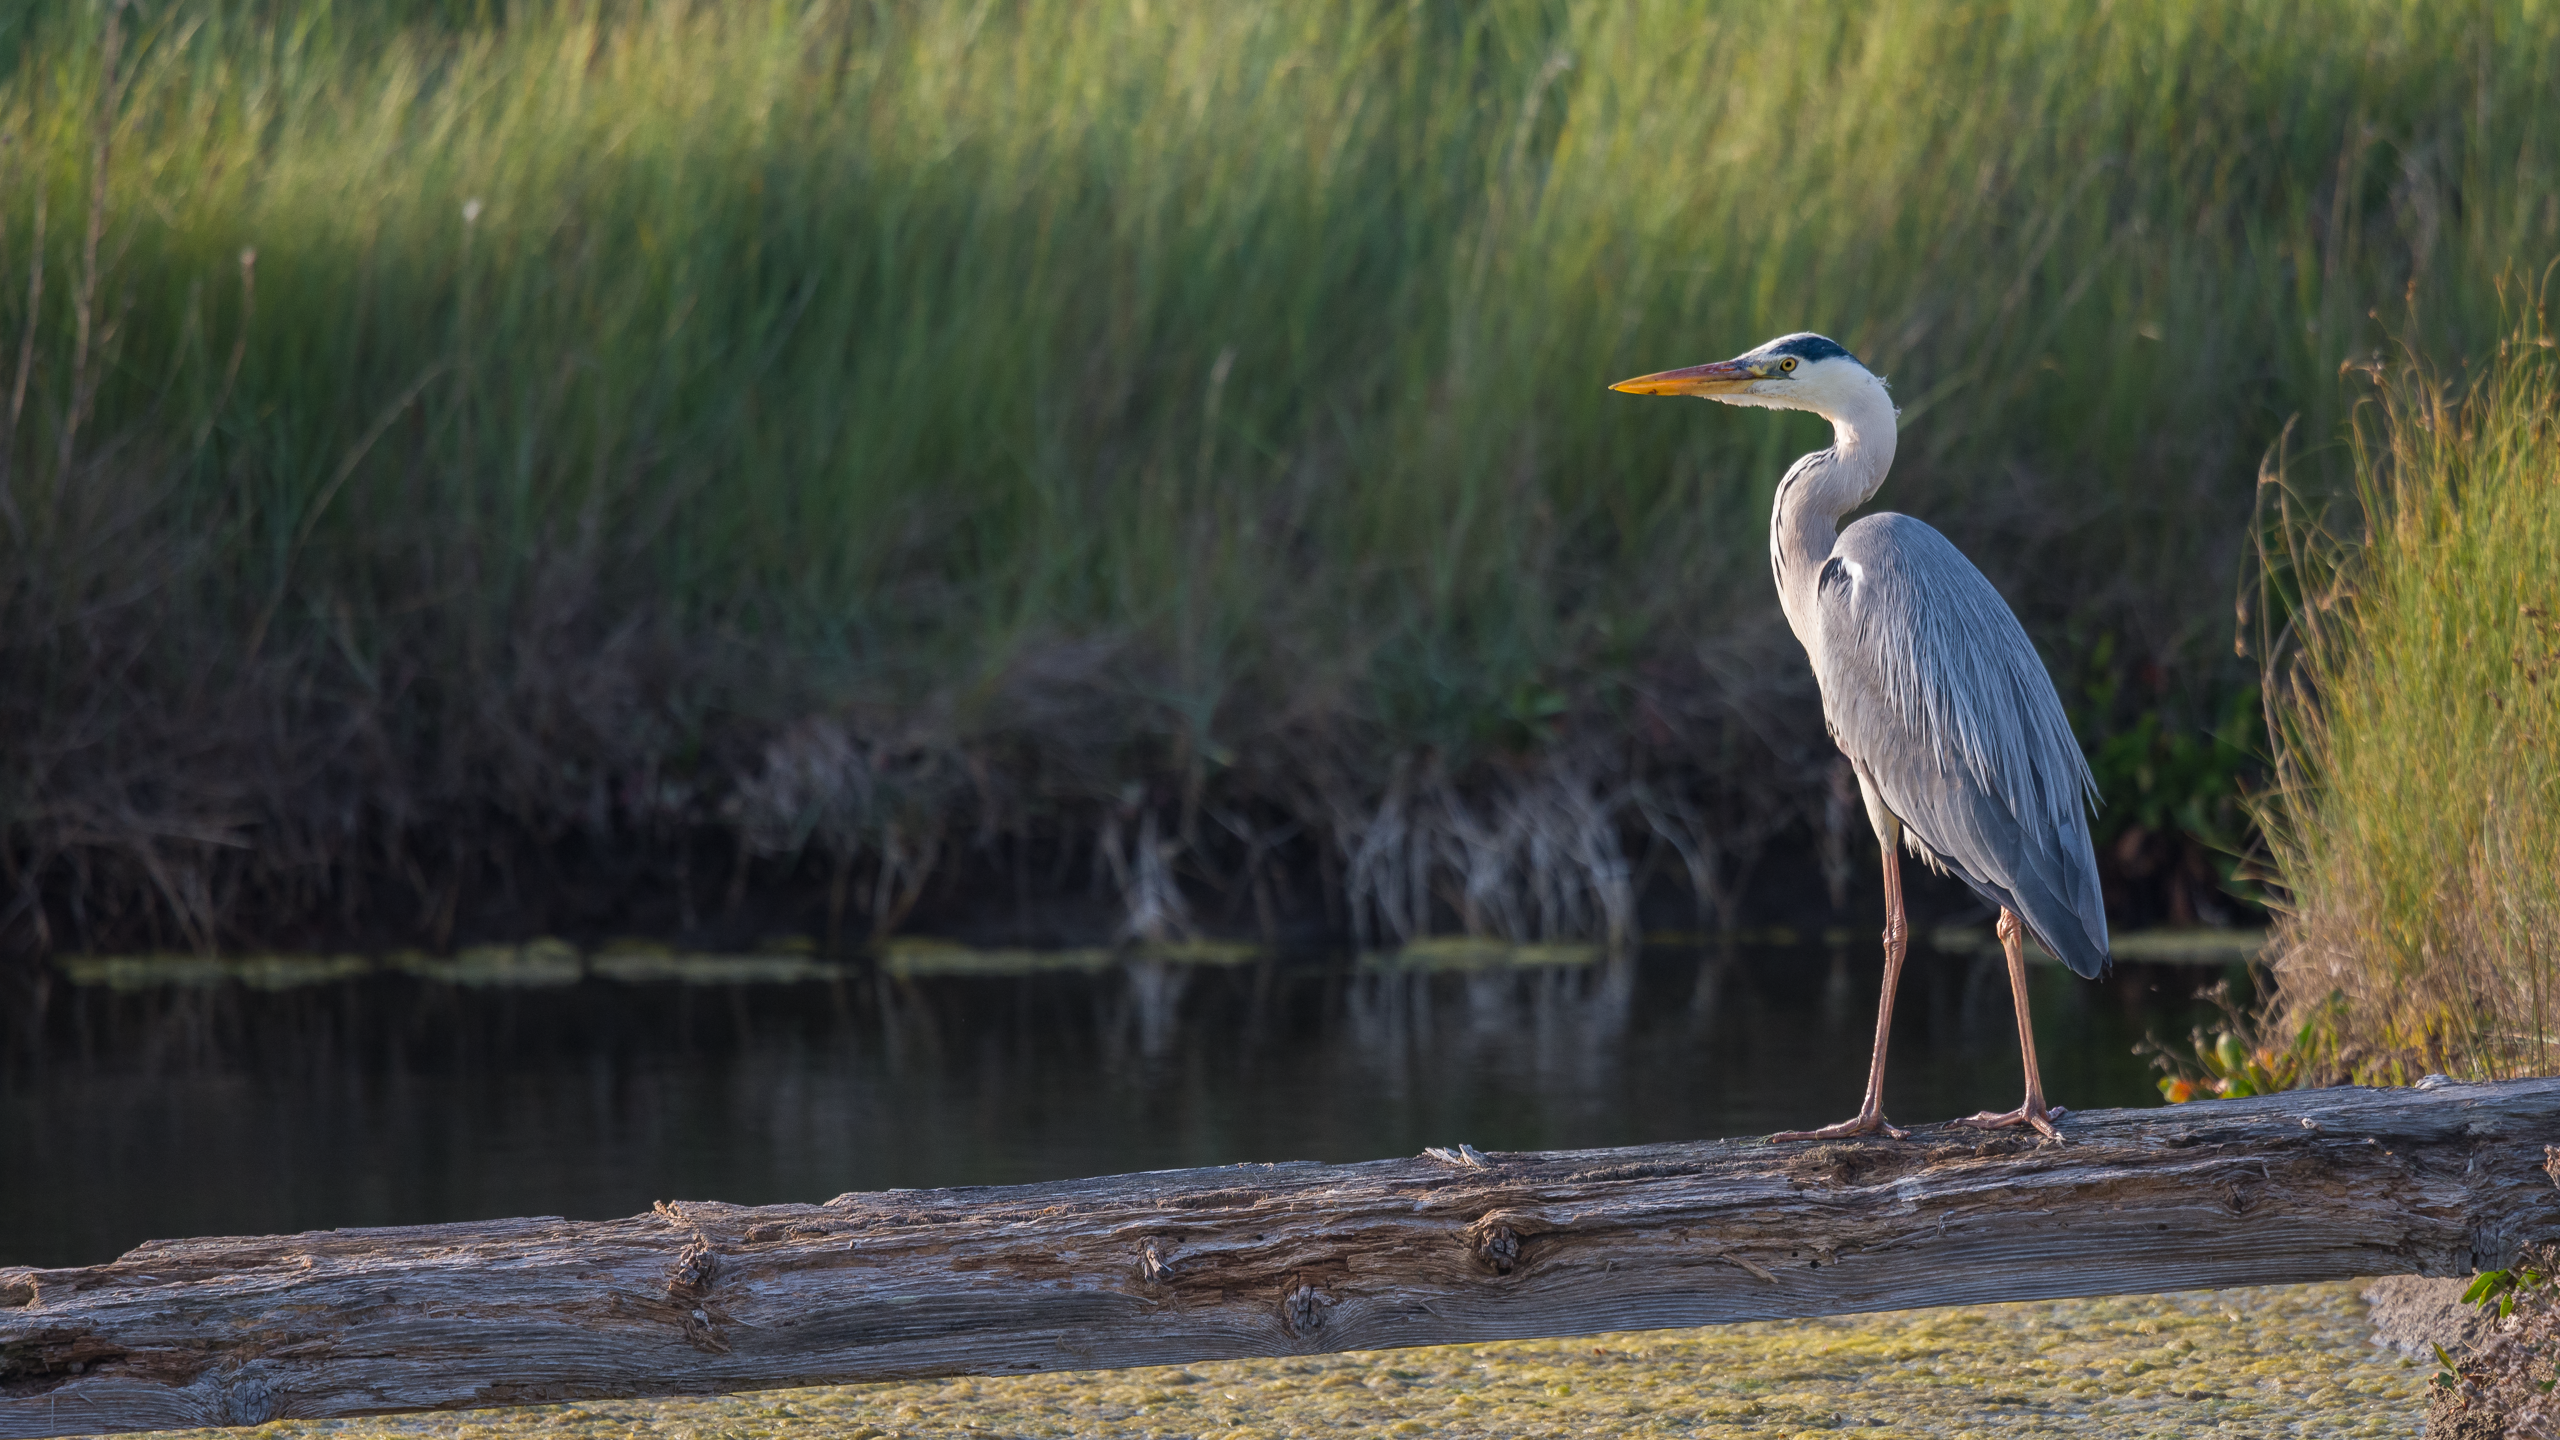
(137,1110)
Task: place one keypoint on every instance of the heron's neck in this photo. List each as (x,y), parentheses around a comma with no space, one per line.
(1825,486)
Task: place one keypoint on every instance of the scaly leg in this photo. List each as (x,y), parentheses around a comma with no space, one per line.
(2013,944)
(1897,940)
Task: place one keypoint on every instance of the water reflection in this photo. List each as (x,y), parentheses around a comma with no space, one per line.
(395,1098)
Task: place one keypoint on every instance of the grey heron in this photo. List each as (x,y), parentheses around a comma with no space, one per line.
(1929,687)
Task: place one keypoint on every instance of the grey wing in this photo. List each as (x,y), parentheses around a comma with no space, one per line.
(1932,687)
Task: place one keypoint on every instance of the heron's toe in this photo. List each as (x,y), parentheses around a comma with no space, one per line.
(1847,1129)
(2036,1117)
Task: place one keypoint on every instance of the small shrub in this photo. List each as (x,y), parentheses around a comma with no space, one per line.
(2246,1053)
(2505,1388)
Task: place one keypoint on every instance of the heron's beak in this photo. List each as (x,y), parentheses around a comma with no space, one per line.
(1724,377)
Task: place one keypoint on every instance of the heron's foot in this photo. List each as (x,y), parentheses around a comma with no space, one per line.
(2042,1118)
(1867,1123)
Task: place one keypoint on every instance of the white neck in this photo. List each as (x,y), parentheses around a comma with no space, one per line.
(1823,487)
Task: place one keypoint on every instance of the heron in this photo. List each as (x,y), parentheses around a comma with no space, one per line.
(1931,690)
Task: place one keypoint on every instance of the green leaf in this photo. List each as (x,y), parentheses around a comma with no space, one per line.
(2486,1284)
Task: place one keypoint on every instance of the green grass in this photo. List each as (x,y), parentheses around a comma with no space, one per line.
(2417,830)
(875,431)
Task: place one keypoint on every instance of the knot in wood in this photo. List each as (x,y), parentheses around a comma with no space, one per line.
(245,1396)
(691,1275)
(1152,1266)
(1499,1247)
(1303,1310)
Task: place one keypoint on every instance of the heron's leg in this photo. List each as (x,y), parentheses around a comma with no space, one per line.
(1897,941)
(2013,944)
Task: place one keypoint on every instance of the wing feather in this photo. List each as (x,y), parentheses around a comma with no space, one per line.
(1932,687)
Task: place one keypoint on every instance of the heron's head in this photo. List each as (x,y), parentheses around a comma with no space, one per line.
(1793,372)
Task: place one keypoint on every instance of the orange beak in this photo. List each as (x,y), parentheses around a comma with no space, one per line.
(1721,378)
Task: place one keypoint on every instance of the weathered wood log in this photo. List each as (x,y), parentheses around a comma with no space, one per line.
(1259,1260)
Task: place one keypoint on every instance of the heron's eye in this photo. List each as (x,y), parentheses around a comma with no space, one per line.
(1787,364)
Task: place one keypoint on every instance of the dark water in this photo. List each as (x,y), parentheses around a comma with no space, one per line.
(131,1114)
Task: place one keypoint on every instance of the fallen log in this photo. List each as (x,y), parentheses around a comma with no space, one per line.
(1267,1260)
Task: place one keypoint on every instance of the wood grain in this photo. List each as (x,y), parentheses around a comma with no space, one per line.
(1264,1260)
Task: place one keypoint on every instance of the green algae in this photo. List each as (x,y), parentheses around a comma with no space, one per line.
(535,963)
(918,956)
(1465,953)
(258,972)
(793,959)
(550,962)
(2286,1360)
(669,967)
(921,956)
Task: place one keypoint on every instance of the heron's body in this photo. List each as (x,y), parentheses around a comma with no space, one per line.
(1929,685)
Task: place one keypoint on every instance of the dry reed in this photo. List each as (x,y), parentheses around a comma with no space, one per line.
(2416,702)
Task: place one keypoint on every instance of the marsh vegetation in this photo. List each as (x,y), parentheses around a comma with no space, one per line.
(471,468)
(2416,670)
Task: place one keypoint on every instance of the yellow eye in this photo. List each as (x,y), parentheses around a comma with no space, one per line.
(1787,364)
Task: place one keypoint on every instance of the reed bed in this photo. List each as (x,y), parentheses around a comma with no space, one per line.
(501,464)
(2417,823)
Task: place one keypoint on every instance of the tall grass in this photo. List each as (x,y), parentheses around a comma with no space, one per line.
(865,437)
(2417,827)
